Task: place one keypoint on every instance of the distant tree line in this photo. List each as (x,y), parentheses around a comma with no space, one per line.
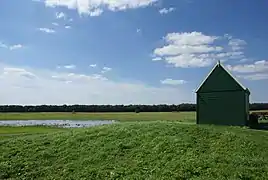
(112,108)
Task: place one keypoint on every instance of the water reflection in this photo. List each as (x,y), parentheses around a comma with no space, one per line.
(58,123)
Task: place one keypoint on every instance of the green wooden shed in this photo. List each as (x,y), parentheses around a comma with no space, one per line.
(221,99)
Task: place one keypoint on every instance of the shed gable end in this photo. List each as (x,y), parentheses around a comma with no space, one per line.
(220,80)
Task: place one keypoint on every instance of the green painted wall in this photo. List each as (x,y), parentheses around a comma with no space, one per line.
(222,100)
(222,108)
(219,80)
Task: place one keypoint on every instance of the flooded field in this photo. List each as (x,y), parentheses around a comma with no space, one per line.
(58,123)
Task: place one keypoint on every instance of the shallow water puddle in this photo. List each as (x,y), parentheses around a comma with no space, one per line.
(58,123)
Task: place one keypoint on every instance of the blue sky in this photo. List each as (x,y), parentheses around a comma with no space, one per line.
(128,51)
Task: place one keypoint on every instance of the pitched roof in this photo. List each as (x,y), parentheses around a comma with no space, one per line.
(218,64)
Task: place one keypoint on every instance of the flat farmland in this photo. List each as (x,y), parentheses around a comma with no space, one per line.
(121,116)
(143,116)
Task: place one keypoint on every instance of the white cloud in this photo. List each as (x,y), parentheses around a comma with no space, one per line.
(2,45)
(24,85)
(96,12)
(93,65)
(157,59)
(256,67)
(72,77)
(60,15)
(244,60)
(17,46)
(10,71)
(166,10)
(96,7)
(169,81)
(173,49)
(11,47)
(189,49)
(138,30)
(237,44)
(257,70)
(70,66)
(67,27)
(55,24)
(47,30)
(255,77)
(106,69)
(190,60)
(195,49)
(190,38)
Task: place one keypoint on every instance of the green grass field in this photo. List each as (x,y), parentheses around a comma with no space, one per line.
(138,150)
(14,132)
(7,132)
(172,116)
(142,146)
(144,116)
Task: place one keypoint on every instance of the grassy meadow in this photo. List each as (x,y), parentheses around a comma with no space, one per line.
(14,132)
(142,146)
(121,116)
(138,150)
(144,116)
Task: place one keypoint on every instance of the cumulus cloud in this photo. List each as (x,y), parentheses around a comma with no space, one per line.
(237,44)
(24,85)
(106,69)
(166,10)
(11,47)
(47,30)
(69,66)
(55,24)
(60,15)
(96,12)
(93,65)
(96,7)
(72,77)
(169,81)
(157,59)
(10,71)
(67,27)
(254,77)
(2,45)
(195,49)
(256,67)
(257,70)
(17,46)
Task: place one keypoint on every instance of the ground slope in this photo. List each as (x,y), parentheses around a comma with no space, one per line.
(148,150)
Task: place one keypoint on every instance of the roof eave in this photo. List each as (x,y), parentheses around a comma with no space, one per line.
(206,78)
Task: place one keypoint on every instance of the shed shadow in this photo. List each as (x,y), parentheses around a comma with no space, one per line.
(260,126)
